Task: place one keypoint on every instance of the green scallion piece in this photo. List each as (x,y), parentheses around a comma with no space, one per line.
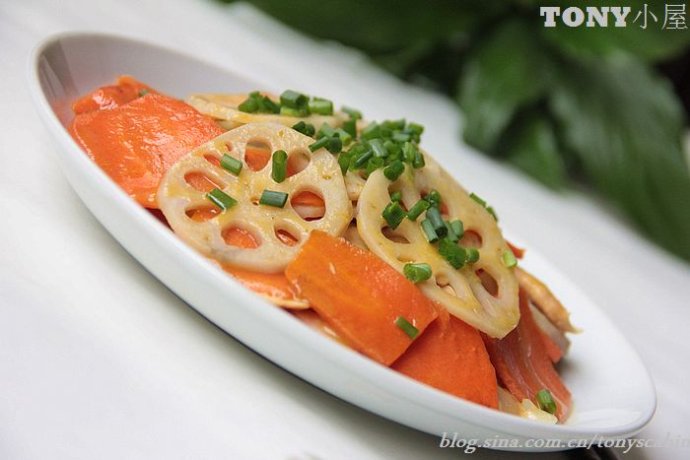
(293,112)
(325,130)
(305,128)
(394,170)
(399,136)
(354,113)
(143,92)
(249,105)
(344,136)
(231,164)
(429,231)
(371,131)
(293,99)
(344,162)
(472,255)
(409,152)
(279,166)
(321,106)
(335,144)
(491,211)
(373,164)
(434,198)
(221,199)
(451,234)
(363,158)
(509,259)
(378,148)
(407,327)
(476,198)
(273,198)
(396,196)
(350,126)
(417,272)
(417,209)
(393,213)
(418,161)
(457,227)
(414,128)
(434,216)
(454,254)
(323,142)
(546,402)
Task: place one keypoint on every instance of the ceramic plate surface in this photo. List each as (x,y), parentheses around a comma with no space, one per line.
(612,391)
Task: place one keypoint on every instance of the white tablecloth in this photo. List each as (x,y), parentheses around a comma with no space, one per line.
(100,360)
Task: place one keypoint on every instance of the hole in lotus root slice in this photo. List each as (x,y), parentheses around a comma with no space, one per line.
(297,161)
(489,283)
(201,182)
(213,159)
(257,154)
(471,239)
(308,204)
(461,291)
(321,176)
(240,237)
(394,236)
(202,213)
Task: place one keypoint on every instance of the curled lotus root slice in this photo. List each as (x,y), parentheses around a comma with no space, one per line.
(461,291)
(267,225)
(224,108)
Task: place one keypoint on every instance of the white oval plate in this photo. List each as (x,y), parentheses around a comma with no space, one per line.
(613,393)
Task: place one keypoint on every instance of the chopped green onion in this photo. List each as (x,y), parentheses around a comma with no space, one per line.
(417,272)
(273,198)
(472,255)
(343,135)
(491,211)
(396,196)
(221,199)
(434,198)
(417,209)
(325,131)
(394,214)
(319,144)
(401,137)
(249,106)
(321,106)
(354,113)
(293,112)
(279,166)
(406,327)
(394,170)
(293,99)
(231,164)
(363,158)
(394,150)
(451,235)
(305,128)
(434,216)
(414,128)
(546,402)
(458,227)
(509,259)
(344,161)
(351,127)
(454,254)
(418,161)
(476,198)
(409,152)
(335,144)
(371,131)
(429,231)
(143,92)
(378,148)
(373,164)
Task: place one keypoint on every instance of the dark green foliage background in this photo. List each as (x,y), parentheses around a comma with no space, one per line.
(562,104)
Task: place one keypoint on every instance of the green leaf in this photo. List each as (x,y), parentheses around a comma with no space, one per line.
(625,126)
(380,26)
(508,71)
(651,44)
(532,146)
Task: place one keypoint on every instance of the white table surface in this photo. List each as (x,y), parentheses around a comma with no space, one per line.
(100,360)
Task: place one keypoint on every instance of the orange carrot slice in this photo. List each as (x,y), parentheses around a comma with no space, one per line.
(108,97)
(359,296)
(451,357)
(523,364)
(274,286)
(517,252)
(136,143)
